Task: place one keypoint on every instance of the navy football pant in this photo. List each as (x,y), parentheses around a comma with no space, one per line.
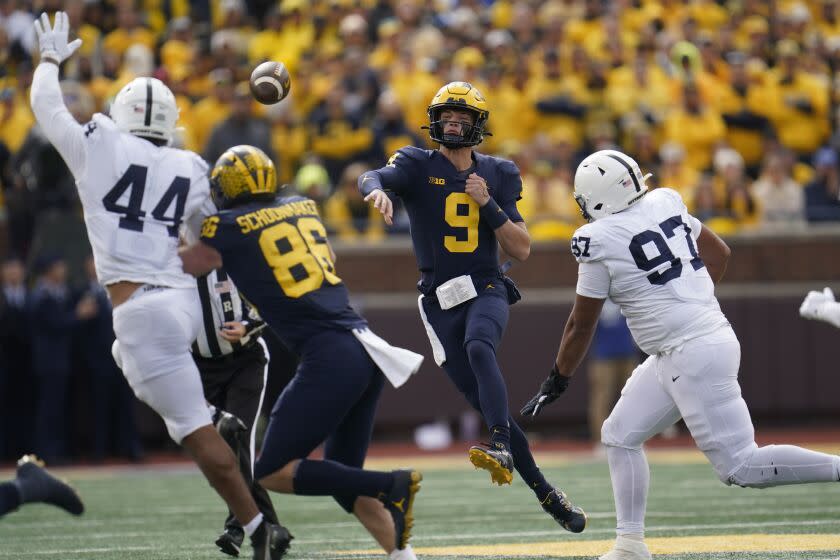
(332,400)
(470,334)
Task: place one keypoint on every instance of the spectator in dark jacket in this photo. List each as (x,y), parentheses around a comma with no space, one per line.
(113,426)
(241,127)
(821,202)
(52,318)
(16,390)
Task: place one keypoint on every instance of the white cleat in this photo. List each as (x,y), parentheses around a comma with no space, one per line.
(402,554)
(627,549)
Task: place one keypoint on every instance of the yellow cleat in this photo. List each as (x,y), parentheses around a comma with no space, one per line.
(498,462)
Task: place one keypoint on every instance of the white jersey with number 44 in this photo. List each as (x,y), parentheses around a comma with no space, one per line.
(135,196)
(645,259)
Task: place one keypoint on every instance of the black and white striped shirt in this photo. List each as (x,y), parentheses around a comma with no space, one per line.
(221,302)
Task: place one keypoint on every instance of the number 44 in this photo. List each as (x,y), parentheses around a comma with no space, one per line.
(134,180)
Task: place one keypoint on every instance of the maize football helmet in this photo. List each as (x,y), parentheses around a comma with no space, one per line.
(607,182)
(242,174)
(458,96)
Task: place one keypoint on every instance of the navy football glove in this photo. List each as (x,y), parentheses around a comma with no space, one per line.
(550,389)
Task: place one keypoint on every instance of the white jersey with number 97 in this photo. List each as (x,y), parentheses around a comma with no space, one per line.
(645,259)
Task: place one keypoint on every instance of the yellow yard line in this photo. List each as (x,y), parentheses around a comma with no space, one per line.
(664,545)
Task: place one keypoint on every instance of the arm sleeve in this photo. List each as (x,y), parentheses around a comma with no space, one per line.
(593,280)
(510,191)
(58,124)
(394,177)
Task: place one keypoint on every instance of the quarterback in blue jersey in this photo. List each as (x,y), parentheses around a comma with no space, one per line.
(276,252)
(461,205)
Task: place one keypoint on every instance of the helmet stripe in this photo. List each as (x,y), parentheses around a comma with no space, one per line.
(239,164)
(629,170)
(260,173)
(148,120)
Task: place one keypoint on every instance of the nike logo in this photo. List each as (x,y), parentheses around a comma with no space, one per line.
(399,505)
(489,287)
(675,378)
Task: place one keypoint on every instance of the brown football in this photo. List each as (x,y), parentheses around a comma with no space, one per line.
(270,82)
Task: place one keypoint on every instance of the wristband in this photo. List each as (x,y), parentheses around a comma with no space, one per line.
(47,58)
(560,381)
(493,214)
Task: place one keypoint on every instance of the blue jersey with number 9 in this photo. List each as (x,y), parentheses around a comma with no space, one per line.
(277,255)
(450,239)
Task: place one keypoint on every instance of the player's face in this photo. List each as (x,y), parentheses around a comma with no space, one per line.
(455,122)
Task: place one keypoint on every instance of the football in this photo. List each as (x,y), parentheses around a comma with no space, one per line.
(270,82)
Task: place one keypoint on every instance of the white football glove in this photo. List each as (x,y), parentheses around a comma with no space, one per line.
(52,41)
(821,306)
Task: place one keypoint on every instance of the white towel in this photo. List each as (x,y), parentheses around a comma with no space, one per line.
(438,352)
(397,364)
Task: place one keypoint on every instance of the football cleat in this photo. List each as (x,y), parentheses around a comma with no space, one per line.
(270,542)
(498,461)
(569,516)
(230,427)
(400,503)
(37,485)
(627,549)
(230,542)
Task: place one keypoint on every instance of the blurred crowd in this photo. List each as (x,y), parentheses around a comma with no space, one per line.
(733,103)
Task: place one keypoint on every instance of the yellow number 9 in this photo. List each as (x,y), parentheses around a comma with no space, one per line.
(456,220)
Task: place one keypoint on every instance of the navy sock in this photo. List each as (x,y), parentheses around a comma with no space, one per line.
(10,497)
(524,462)
(500,437)
(492,393)
(329,478)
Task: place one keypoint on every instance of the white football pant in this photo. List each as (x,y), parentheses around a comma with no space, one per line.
(699,383)
(154,332)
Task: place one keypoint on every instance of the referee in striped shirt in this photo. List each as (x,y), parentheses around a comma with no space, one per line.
(233,361)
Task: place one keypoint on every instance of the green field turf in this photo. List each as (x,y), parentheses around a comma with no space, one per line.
(157,514)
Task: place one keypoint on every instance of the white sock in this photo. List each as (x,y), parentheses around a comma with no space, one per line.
(633,537)
(630,480)
(253,524)
(404,554)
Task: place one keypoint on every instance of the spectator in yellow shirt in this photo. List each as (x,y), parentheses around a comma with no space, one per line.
(346,212)
(800,113)
(698,128)
(128,32)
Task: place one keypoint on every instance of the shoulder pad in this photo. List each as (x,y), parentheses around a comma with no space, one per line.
(507,166)
(291,198)
(413,152)
(104,121)
(585,245)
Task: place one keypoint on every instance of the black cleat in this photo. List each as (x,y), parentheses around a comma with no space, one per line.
(270,542)
(400,503)
(230,541)
(497,460)
(37,485)
(230,427)
(569,516)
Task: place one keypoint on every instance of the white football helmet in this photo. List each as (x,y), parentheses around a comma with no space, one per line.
(146,107)
(607,182)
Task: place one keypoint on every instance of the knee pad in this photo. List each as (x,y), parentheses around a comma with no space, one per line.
(610,436)
(479,350)
(746,474)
